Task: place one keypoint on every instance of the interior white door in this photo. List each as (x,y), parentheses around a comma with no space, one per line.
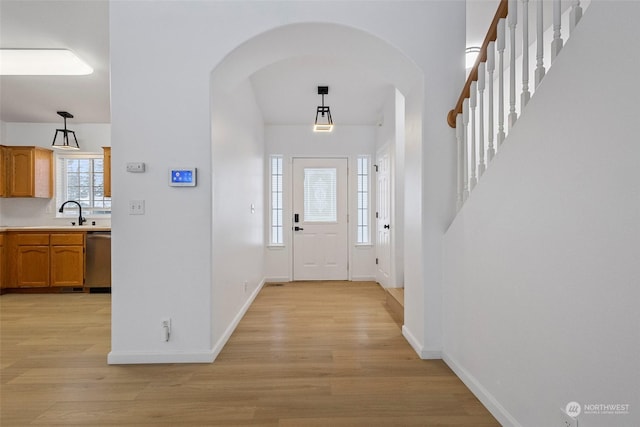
(320,237)
(383,219)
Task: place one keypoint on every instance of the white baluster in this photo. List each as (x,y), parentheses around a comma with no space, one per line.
(526,95)
(481,86)
(500,43)
(465,149)
(540,43)
(513,22)
(472,105)
(556,44)
(491,64)
(461,159)
(574,16)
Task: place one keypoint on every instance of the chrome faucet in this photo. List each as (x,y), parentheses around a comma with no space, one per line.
(80,218)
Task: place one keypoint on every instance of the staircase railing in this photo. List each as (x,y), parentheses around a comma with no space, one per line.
(513,54)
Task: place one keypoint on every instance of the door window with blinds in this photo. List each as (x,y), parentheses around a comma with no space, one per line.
(80,177)
(320,195)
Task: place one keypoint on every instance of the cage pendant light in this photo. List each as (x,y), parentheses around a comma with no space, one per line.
(64,143)
(324,122)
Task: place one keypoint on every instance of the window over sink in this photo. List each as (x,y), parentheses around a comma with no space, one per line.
(80,177)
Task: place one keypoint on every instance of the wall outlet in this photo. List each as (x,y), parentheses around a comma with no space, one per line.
(136,207)
(567,420)
(166,328)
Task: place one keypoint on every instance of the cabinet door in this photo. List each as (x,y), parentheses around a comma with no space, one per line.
(2,261)
(29,172)
(21,172)
(67,265)
(107,171)
(32,266)
(3,171)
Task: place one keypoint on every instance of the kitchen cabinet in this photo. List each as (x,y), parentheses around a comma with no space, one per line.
(31,253)
(47,259)
(3,171)
(67,259)
(29,172)
(107,171)
(2,262)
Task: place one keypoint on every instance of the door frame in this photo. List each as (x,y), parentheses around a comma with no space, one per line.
(393,211)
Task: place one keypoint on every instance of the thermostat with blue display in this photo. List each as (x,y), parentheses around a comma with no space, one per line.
(182,177)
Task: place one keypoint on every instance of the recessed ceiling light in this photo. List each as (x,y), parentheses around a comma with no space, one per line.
(42,62)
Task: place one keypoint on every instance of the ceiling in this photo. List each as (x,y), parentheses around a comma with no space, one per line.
(80,26)
(286,91)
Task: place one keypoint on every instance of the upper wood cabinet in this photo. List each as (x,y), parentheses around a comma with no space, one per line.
(29,172)
(107,171)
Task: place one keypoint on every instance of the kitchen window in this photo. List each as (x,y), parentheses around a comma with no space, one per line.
(80,177)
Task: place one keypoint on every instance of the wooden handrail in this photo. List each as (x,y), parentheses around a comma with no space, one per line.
(503,9)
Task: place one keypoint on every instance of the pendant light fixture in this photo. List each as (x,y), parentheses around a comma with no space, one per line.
(63,143)
(324,122)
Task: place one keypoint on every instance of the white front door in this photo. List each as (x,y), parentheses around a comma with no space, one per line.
(383,219)
(320,238)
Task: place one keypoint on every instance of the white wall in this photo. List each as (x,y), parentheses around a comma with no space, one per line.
(238,185)
(161,57)
(301,141)
(22,211)
(541,264)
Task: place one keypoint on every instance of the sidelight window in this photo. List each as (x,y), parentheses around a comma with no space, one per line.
(276,235)
(363,236)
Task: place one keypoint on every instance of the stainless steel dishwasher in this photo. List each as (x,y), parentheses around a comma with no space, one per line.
(98,272)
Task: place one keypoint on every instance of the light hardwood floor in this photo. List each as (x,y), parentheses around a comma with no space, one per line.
(305,354)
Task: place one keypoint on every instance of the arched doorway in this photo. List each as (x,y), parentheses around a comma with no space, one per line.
(238,106)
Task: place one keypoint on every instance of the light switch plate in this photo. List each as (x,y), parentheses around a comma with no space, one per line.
(135,167)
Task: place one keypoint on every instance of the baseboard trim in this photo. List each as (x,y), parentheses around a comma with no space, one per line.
(363,278)
(276,279)
(217,348)
(130,358)
(483,395)
(423,353)
(135,358)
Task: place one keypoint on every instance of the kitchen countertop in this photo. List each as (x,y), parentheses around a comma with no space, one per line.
(55,228)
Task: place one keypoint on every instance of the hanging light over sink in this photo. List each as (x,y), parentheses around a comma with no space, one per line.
(64,142)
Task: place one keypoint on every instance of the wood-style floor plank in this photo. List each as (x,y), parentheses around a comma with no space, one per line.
(305,354)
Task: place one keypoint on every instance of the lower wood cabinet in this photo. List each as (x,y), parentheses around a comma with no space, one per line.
(66,255)
(47,260)
(3,269)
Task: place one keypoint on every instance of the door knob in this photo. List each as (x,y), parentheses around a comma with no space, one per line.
(386,226)
(298,228)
